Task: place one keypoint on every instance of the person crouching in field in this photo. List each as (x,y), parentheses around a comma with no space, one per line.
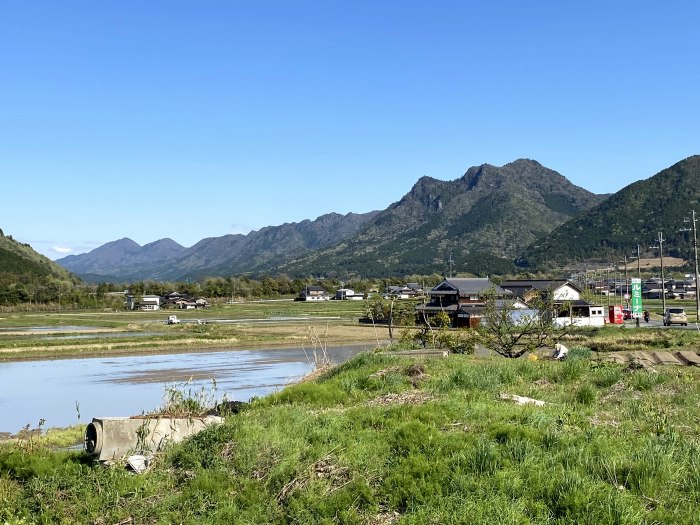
(560,352)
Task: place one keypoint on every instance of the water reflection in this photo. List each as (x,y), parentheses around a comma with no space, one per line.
(61,391)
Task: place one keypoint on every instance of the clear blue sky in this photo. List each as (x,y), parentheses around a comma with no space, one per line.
(153,119)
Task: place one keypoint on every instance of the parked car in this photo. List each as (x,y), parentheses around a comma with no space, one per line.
(172,319)
(675,316)
(626,313)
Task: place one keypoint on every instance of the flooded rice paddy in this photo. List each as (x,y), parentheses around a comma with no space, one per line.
(69,391)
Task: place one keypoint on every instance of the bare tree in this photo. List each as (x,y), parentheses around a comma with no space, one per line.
(512,332)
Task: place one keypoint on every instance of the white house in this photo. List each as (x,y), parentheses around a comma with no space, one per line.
(348,294)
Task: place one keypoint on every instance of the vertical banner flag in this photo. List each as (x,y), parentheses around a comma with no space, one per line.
(636,297)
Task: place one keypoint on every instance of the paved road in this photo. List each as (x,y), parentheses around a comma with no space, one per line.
(653,323)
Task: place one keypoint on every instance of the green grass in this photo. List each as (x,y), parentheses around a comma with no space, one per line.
(362,444)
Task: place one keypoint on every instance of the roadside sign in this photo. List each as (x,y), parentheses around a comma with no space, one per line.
(636,297)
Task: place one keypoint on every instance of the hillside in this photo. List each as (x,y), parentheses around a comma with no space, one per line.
(632,216)
(483,220)
(18,261)
(385,440)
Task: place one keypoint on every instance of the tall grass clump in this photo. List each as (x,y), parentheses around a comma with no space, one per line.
(646,379)
(606,375)
(484,378)
(585,394)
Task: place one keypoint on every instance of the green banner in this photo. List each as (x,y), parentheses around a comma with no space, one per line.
(636,297)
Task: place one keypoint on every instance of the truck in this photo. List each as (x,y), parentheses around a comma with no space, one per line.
(172,319)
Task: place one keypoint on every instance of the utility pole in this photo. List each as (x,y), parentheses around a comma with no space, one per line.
(663,285)
(695,250)
(627,283)
(639,266)
(450,262)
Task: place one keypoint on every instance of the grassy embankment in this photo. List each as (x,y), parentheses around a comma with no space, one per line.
(384,439)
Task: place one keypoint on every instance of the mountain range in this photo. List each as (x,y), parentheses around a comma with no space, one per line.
(492,220)
(480,222)
(125,260)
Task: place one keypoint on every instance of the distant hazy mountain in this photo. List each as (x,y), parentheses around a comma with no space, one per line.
(123,258)
(263,250)
(632,216)
(259,251)
(19,260)
(482,220)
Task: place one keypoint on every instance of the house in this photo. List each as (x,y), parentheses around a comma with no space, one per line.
(406,291)
(143,302)
(561,291)
(313,293)
(463,299)
(348,294)
(170,300)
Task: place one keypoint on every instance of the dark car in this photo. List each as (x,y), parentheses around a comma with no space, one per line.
(626,313)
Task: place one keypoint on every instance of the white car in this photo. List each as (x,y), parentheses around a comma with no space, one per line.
(172,319)
(675,316)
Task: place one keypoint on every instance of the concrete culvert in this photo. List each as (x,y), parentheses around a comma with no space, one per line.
(111,438)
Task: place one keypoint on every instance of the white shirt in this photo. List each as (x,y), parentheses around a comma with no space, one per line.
(560,351)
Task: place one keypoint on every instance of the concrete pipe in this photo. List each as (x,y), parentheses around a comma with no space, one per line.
(111,438)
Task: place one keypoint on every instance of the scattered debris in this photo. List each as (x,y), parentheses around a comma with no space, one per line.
(139,463)
(323,468)
(413,398)
(385,518)
(613,391)
(520,400)
(381,374)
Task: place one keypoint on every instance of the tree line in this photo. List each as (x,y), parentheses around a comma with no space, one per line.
(46,292)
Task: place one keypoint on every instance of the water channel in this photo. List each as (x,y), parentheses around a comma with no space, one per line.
(65,392)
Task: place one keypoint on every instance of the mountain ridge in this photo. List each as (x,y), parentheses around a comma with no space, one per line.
(630,217)
(481,220)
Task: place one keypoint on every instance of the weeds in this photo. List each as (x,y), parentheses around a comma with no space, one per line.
(181,400)
(442,450)
(319,349)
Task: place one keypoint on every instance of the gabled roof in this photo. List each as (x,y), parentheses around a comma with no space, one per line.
(544,285)
(469,286)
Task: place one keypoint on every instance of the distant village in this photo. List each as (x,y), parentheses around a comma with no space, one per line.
(464,299)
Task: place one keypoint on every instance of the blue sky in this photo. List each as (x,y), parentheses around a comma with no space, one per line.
(197,119)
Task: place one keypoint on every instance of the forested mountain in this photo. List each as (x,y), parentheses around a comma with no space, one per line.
(481,221)
(634,215)
(259,251)
(24,273)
